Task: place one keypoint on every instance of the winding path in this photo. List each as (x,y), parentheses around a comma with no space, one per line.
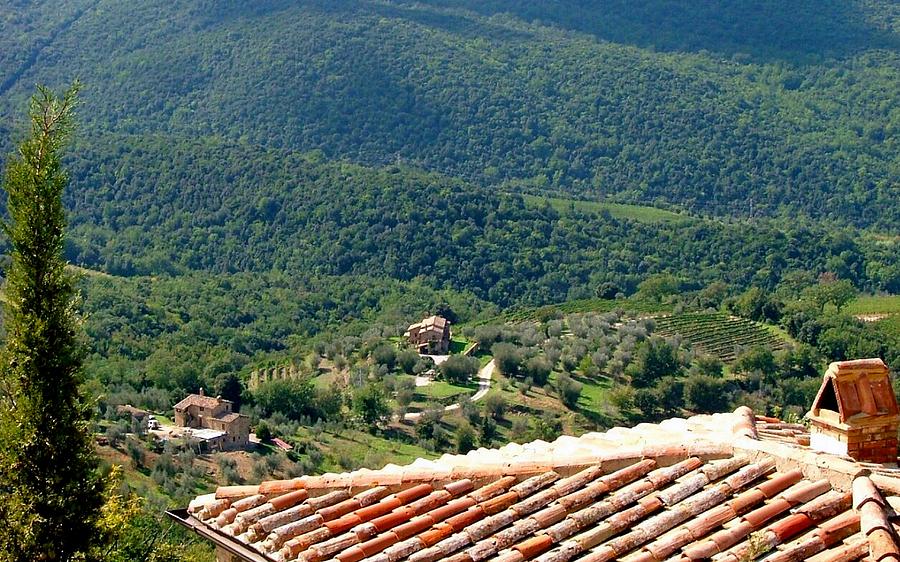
(485,374)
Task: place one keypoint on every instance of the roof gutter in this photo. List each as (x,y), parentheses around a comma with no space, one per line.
(225,542)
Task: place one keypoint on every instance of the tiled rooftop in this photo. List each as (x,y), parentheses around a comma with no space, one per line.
(434,324)
(200,400)
(723,487)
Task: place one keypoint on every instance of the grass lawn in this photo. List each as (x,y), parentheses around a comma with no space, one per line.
(438,390)
(458,344)
(640,213)
(328,378)
(594,393)
(870,304)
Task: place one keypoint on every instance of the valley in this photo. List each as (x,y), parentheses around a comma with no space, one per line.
(627,212)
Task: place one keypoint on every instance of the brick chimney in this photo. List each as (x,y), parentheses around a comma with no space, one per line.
(855,412)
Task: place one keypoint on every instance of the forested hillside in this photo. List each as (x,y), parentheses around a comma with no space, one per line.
(724,108)
(228,207)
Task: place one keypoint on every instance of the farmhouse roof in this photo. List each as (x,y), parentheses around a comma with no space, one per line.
(198,400)
(228,418)
(725,487)
(435,324)
(282,444)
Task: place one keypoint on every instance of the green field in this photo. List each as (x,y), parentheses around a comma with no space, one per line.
(440,390)
(640,213)
(872,304)
(718,334)
(458,344)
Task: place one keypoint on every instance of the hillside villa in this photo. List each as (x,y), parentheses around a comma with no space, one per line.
(431,336)
(213,422)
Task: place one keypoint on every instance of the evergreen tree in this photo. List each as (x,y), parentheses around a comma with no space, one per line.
(50,490)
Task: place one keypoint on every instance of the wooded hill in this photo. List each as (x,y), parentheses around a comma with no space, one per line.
(733,109)
(229,207)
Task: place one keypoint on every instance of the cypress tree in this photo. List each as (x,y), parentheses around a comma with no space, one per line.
(50,489)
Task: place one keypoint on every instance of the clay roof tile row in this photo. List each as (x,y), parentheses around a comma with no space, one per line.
(724,487)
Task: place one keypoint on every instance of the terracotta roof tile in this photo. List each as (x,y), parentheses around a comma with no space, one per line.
(852,549)
(636,495)
(198,400)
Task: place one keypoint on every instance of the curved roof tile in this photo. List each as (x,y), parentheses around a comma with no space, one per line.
(725,487)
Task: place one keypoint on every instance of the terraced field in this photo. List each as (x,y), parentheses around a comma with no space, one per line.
(718,334)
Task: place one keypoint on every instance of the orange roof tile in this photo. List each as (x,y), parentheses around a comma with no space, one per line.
(723,487)
(198,400)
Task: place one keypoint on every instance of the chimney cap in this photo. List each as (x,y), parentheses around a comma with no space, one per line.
(854,391)
(201,392)
(855,412)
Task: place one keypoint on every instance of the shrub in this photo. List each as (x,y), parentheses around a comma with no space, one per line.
(328,403)
(708,365)
(464,438)
(385,355)
(488,431)
(520,429)
(290,397)
(469,410)
(495,406)
(115,433)
(706,394)
(459,368)
(569,391)
(537,369)
(547,427)
(407,360)
(406,391)
(507,357)
(136,452)
(756,360)
(655,358)
(263,433)
(370,404)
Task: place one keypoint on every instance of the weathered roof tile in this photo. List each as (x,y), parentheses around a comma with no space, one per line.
(632,494)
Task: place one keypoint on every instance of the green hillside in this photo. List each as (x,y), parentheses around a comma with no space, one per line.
(734,109)
(231,207)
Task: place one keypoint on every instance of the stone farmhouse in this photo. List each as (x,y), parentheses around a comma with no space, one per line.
(725,487)
(431,336)
(213,422)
